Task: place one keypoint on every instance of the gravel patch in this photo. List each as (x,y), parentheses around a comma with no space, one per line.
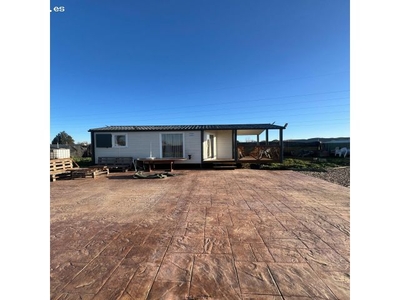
(340,175)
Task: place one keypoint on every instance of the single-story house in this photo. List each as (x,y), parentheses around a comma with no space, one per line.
(189,144)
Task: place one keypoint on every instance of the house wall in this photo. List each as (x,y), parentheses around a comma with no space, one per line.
(222,143)
(139,144)
(193,147)
(113,151)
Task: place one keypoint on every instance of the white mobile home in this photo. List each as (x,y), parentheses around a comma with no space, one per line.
(191,144)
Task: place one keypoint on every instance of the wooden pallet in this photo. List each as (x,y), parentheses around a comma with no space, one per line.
(61,167)
(89,172)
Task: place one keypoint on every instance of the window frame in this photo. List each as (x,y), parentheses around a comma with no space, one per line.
(169,133)
(115,137)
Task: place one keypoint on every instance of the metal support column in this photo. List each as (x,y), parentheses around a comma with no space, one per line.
(281,145)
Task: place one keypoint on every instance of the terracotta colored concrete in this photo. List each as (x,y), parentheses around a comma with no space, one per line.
(201,234)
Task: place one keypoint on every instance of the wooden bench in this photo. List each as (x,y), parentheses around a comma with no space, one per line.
(116,163)
(62,166)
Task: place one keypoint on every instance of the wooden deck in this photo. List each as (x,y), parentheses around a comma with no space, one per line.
(246,159)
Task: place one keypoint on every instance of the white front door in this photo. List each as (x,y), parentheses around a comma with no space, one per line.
(210,146)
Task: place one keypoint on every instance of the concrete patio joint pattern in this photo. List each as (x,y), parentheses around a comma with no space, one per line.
(201,234)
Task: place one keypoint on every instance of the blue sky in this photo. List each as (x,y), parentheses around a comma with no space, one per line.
(201,62)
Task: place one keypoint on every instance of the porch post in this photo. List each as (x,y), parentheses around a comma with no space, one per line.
(201,147)
(234,150)
(266,138)
(281,144)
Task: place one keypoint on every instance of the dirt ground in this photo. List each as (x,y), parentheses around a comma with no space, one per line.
(200,234)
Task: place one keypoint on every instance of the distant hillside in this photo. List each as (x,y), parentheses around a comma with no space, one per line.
(324,140)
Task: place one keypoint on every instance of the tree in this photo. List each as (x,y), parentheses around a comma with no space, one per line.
(63,138)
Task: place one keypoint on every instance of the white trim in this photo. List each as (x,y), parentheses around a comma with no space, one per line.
(114,136)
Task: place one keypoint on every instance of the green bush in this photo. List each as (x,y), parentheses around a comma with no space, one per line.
(307,164)
(83,161)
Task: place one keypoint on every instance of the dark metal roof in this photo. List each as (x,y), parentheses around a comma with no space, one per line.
(187,127)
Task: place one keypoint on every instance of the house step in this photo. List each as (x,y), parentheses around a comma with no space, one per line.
(224,165)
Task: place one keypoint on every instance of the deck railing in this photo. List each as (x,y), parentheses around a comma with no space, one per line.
(259,152)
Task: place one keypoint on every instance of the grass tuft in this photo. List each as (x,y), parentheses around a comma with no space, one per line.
(307,164)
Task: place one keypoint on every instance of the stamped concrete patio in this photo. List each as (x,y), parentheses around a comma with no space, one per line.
(201,234)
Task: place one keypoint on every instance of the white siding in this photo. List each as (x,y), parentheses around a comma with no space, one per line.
(193,147)
(139,143)
(115,151)
(224,144)
(144,142)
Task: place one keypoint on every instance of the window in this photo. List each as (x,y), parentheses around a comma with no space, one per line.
(120,140)
(103,140)
(172,145)
(108,140)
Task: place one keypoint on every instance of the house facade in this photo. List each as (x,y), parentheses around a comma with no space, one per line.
(193,144)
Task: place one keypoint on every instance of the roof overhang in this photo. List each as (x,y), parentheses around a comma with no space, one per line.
(250,131)
(242,129)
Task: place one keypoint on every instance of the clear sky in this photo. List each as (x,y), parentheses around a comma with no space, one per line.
(201,62)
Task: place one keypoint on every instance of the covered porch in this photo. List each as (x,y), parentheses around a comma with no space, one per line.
(244,144)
